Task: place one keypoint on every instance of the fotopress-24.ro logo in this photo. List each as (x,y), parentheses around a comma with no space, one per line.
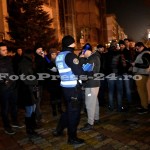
(113,76)
(23,77)
(44,76)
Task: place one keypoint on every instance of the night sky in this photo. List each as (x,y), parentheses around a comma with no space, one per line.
(132,15)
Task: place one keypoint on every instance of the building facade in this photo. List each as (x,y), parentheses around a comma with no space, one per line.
(114,30)
(3,24)
(83,19)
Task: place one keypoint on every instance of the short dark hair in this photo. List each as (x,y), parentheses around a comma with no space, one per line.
(139,44)
(121,42)
(126,39)
(100,46)
(2,44)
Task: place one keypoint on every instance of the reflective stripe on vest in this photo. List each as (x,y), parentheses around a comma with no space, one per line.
(68,82)
(64,70)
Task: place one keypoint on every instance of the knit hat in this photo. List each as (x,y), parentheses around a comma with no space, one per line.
(87,46)
(67,41)
(121,42)
(38,45)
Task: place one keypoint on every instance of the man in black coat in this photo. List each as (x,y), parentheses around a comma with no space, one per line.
(91,87)
(40,67)
(8,91)
(28,90)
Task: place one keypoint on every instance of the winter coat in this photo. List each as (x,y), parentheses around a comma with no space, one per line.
(27,88)
(115,63)
(93,81)
(6,67)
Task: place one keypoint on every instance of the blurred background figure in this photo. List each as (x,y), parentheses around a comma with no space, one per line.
(140,66)
(101,49)
(8,92)
(17,58)
(54,83)
(28,91)
(40,67)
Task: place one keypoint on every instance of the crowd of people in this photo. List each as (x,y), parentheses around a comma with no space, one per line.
(81,82)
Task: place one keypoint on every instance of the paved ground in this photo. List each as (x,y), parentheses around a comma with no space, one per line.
(117,131)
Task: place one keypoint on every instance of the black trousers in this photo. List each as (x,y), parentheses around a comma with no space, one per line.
(71,117)
(8,102)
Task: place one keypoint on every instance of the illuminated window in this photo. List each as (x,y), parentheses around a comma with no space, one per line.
(148,31)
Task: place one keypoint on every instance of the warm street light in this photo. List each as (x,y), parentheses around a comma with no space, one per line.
(148,40)
(148,30)
(149,35)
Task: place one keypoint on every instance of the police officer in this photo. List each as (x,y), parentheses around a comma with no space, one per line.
(68,66)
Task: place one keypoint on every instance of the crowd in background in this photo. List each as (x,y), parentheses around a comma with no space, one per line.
(120,69)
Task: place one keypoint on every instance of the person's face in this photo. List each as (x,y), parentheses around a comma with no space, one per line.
(132,44)
(101,50)
(122,46)
(3,51)
(127,43)
(39,51)
(53,56)
(139,48)
(19,51)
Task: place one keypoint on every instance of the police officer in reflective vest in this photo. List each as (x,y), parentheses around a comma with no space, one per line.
(69,68)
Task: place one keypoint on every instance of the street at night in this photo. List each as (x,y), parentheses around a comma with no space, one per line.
(116,131)
(74,75)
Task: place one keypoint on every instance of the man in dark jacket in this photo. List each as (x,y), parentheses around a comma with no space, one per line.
(126,59)
(54,85)
(8,91)
(91,88)
(27,91)
(101,49)
(114,78)
(40,67)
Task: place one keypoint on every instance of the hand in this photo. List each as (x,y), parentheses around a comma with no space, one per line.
(81,55)
(42,54)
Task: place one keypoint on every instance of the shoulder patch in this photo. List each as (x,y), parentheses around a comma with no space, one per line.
(75,61)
